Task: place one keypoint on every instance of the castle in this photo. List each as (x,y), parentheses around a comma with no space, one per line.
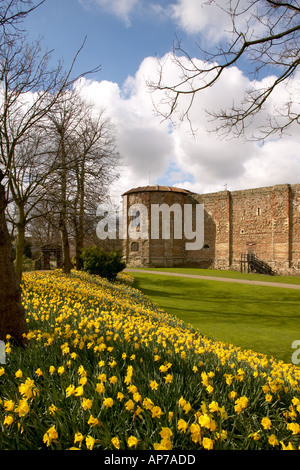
(262,223)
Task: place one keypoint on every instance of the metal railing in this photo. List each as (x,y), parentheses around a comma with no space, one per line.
(250,263)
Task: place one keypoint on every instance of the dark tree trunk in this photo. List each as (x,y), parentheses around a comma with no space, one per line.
(67,262)
(12,313)
(79,223)
(20,245)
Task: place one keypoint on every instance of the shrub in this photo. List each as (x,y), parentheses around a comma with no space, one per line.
(105,264)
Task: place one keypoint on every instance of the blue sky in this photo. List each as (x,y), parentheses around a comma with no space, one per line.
(125,37)
(117,43)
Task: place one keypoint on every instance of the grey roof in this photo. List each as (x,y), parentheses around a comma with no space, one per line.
(157,187)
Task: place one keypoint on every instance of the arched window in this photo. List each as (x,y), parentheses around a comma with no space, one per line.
(134,246)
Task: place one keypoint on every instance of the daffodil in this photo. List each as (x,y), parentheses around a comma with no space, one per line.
(156,412)
(153,385)
(273,441)
(50,436)
(96,329)
(52,409)
(255,436)
(129,405)
(93,421)
(22,409)
(204,421)
(266,423)
(26,388)
(90,442)
(294,427)
(213,407)
(182,425)
(289,446)
(79,391)
(9,405)
(100,388)
(8,420)
(108,402)
(195,433)
(132,441)
(78,438)
(137,397)
(115,442)
(168,378)
(70,390)
(166,433)
(86,403)
(102,377)
(207,443)
(148,404)
(240,404)
(164,444)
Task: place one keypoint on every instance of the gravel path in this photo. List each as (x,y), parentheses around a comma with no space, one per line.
(222,279)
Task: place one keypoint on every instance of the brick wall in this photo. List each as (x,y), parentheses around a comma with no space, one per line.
(263,221)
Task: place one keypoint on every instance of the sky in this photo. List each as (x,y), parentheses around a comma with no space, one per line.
(127,38)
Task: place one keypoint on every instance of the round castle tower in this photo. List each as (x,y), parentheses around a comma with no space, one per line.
(149,251)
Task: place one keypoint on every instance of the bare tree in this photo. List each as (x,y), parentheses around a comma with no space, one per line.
(87,162)
(13,12)
(96,167)
(63,120)
(265,33)
(31,165)
(29,89)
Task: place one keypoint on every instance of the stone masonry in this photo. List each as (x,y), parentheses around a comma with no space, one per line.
(263,221)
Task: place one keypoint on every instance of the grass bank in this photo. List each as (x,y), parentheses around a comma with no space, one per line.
(265,319)
(106,368)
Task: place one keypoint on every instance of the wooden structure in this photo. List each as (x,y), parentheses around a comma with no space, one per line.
(48,251)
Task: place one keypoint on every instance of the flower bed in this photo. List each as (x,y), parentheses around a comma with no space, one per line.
(107,369)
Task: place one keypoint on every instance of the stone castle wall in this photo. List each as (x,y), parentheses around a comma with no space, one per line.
(263,221)
(158,252)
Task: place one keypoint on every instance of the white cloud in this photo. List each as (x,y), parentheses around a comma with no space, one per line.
(121,8)
(213,19)
(195,16)
(204,163)
(145,145)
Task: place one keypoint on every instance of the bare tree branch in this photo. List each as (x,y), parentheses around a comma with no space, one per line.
(268,38)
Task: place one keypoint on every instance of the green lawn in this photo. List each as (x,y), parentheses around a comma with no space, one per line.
(230,274)
(264,319)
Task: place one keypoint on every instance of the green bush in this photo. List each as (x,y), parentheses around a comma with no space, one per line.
(105,264)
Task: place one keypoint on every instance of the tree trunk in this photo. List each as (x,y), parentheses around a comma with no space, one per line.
(80,225)
(67,262)
(20,244)
(12,313)
(78,250)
